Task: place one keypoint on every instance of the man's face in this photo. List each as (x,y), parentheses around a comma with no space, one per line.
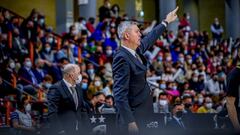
(75,74)
(109,102)
(101,99)
(134,36)
(178,108)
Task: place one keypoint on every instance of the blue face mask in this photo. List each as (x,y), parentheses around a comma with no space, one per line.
(90,71)
(162,86)
(48,85)
(84,86)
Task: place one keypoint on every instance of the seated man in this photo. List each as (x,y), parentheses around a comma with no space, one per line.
(176,121)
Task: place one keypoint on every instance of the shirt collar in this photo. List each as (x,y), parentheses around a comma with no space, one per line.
(133,52)
(69,85)
(176,118)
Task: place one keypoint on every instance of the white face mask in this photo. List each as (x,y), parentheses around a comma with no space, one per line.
(97,83)
(181,60)
(163,102)
(79,79)
(190,61)
(174,87)
(209,105)
(28,108)
(12,65)
(109,52)
(200,100)
(28,64)
(169,59)
(50,40)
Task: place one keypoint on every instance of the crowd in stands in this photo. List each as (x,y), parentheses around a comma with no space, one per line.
(186,66)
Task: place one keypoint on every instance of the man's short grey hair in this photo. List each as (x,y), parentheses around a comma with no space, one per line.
(123,26)
(69,68)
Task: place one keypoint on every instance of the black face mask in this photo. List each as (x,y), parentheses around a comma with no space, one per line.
(179,114)
(187,105)
(98,104)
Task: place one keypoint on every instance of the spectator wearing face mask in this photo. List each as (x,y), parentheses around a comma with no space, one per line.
(47,53)
(157,91)
(207,106)
(47,82)
(217,31)
(198,102)
(95,86)
(212,86)
(162,106)
(173,89)
(109,54)
(26,72)
(84,86)
(90,71)
(194,81)
(7,74)
(109,106)
(107,90)
(81,26)
(176,122)
(21,120)
(188,103)
(39,71)
(96,102)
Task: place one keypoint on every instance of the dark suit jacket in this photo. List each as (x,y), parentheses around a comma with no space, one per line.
(131,90)
(62,111)
(25,75)
(173,124)
(38,75)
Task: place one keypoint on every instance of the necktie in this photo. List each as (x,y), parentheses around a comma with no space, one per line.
(138,57)
(181,123)
(75,97)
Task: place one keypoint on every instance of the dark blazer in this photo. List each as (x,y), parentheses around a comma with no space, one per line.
(24,73)
(38,75)
(62,111)
(174,124)
(131,90)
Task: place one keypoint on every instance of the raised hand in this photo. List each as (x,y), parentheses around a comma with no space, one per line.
(172,16)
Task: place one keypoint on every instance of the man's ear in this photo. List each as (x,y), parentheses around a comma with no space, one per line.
(126,35)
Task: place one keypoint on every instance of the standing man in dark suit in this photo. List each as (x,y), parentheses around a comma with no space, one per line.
(66,106)
(131,90)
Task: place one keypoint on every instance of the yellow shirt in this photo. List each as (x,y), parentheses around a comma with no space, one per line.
(203,109)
